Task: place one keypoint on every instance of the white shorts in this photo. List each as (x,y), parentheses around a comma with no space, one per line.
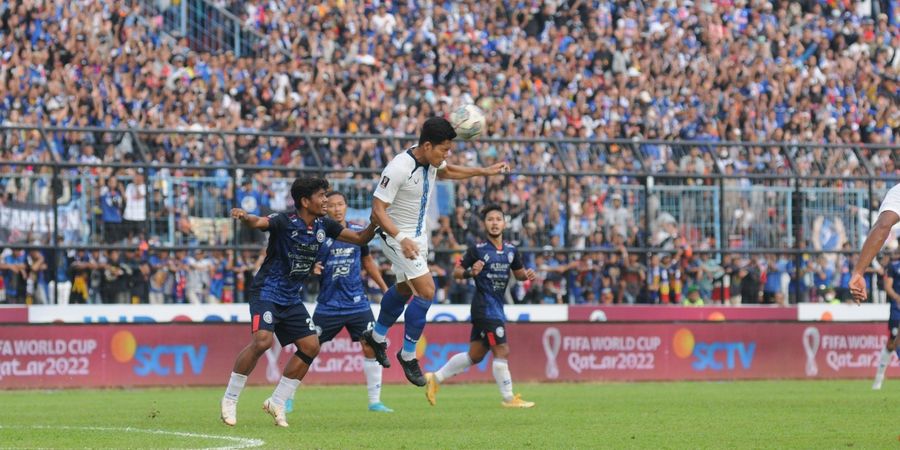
(403,267)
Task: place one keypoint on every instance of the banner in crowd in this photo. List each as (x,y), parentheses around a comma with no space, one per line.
(19,221)
(240,312)
(666,313)
(202,354)
(843,312)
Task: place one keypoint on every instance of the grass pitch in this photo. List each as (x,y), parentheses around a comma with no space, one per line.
(770,414)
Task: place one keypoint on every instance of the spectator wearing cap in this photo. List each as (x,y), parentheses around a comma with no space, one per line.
(693,297)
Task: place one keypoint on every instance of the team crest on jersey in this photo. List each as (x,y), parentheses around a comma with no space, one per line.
(267,317)
(385,181)
(320,235)
(499,332)
(509,257)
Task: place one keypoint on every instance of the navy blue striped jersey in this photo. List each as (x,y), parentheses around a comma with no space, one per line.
(491,283)
(341,287)
(292,251)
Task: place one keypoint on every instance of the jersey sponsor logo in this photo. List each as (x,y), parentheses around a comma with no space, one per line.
(267,317)
(384,182)
(320,235)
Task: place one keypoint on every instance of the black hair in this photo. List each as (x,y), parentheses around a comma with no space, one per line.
(490,208)
(436,130)
(333,193)
(305,188)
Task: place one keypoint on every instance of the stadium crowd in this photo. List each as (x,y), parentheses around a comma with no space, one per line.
(817,72)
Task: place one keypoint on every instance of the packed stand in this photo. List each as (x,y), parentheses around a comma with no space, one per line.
(808,72)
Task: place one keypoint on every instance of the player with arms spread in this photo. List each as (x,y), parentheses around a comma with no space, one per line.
(888,216)
(342,300)
(276,296)
(399,208)
(489,263)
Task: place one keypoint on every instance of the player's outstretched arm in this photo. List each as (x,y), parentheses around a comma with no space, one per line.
(454,172)
(250,220)
(357,237)
(877,236)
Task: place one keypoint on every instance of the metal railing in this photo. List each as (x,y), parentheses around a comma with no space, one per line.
(66,205)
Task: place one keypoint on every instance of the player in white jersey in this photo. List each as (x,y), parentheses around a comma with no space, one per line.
(888,216)
(399,208)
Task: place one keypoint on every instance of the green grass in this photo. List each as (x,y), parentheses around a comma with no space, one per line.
(774,414)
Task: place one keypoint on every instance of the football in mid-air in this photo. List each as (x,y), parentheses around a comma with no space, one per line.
(468,121)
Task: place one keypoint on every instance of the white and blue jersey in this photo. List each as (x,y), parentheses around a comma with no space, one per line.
(292,251)
(493,279)
(340,287)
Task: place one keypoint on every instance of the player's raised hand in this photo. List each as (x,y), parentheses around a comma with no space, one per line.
(858,288)
(497,169)
(477,268)
(318,268)
(530,275)
(410,248)
(238,213)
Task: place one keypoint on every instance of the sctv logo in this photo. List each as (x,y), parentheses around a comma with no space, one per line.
(161,360)
(716,355)
(436,355)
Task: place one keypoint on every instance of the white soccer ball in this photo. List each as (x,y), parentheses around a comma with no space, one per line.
(468,121)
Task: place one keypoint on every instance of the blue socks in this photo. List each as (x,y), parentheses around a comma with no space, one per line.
(391,306)
(415,324)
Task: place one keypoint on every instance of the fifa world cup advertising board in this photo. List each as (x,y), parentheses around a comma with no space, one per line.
(49,356)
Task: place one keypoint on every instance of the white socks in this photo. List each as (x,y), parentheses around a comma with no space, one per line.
(883,363)
(284,390)
(235,386)
(504,379)
(456,365)
(378,336)
(373,379)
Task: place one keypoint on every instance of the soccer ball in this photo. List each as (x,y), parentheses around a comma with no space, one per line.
(468,121)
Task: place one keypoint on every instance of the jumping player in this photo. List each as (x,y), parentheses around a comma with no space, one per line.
(489,263)
(399,207)
(276,299)
(888,216)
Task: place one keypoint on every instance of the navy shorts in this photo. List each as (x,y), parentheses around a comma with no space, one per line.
(893,324)
(288,322)
(328,326)
(489,332)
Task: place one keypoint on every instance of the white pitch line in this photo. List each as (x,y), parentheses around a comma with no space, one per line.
(238,441)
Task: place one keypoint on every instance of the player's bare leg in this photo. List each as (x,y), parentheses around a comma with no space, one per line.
(294,371)
(504,379)
(243,366)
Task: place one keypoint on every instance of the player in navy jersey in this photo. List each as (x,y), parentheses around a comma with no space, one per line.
(489,263)
(276,296)
(892,288)
(342,300)
(882,229)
